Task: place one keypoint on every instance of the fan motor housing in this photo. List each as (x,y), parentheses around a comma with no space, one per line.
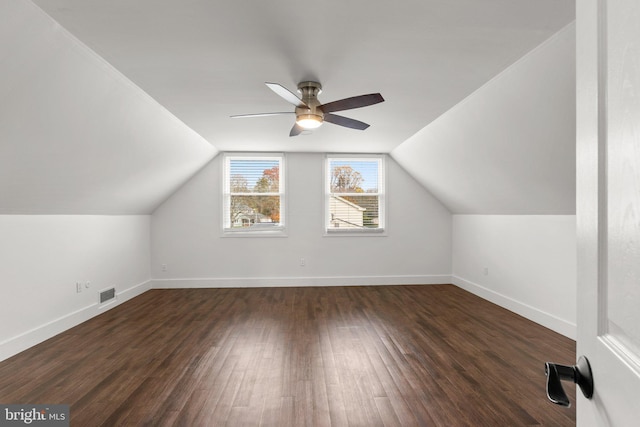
(309,91)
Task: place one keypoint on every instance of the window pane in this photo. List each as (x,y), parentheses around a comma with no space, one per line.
(253,193)
(355,193)
(354,176)
(352,212)
(254,175)
(247,211)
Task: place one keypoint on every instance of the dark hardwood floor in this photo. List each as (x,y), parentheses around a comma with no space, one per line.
(341,356)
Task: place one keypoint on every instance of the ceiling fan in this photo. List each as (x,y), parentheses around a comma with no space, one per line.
(310,113)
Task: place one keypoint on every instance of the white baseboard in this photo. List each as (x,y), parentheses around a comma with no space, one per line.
(543,318)
(28,339)
(256,282)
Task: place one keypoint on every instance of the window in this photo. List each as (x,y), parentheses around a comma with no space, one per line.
(354,199)
(254,194)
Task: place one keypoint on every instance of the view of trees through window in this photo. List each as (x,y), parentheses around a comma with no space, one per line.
(354,193)
(254,192)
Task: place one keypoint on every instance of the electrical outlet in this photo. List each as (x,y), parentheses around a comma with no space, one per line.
(164,268)
(87,285)
(78,287)
(486,271)
(303,262)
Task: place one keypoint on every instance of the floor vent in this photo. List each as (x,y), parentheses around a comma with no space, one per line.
(107,295)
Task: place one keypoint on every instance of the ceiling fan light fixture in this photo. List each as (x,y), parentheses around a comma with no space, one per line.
(310,113)
(309,121)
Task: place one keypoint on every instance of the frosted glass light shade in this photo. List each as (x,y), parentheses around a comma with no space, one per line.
(309,121)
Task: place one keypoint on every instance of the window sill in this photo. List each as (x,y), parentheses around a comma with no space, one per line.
(376,232)
(255,233)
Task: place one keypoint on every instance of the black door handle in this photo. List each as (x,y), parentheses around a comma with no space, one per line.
(579,374)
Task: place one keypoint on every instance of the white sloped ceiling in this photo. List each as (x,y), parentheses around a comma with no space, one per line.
(76,136)
(207,60)
(508,148)
(79,136)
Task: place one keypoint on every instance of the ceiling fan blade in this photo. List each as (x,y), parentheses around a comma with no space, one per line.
(296,130)
(345,121)
(242,116)
(286,94)
(353,102)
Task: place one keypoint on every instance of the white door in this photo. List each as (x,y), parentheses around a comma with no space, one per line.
(608,210)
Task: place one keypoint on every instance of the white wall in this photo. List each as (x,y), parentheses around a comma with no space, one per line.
(505,157)
(77,136)
(42,258)
(530,262)
(186,237)
(508,148)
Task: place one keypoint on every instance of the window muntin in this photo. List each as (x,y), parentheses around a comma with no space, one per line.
(354,199)
(254,193)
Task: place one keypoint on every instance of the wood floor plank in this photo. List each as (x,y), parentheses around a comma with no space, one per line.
(340,356)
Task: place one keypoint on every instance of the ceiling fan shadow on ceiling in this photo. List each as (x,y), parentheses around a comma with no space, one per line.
(310,113)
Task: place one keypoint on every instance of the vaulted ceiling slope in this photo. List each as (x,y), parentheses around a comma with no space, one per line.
(76,136)
(509,148)
(207,60)
(112,106)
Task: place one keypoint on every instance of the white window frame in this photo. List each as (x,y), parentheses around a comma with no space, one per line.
(381,230)
(275,231)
